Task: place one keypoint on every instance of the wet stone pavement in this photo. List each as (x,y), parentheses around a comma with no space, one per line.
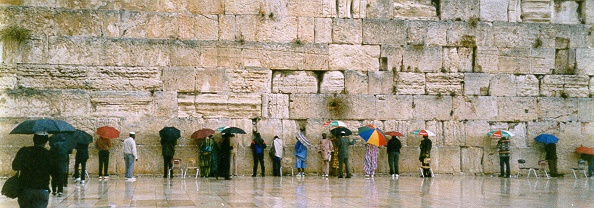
(315,191)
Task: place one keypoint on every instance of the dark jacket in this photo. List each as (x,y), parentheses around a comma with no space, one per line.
(168,147)
(258,141)
(82,152)
(394,145)
(503,146)
(425,149)
(60,159)
(551,151)
(343,147)
(35,166)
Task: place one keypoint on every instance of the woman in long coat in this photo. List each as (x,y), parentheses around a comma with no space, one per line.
(326,150)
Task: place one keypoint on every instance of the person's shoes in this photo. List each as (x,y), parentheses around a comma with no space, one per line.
(367,176)
(77,180)
(60,194)
(348,176)
(227,178)
(130,179)
(54,193)
(340,177)
(106,177)
(82,182)
(396,176)
(501,176)
(508,176)
(263,175)
(100,177)
(254,175)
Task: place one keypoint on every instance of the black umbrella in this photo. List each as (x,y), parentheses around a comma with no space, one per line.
(169,134)
(81,137)
(233,130)
(48,125)
(63,137)
(337,131)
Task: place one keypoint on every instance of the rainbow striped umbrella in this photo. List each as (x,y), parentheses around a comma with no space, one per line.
(335,123)
(372,135)
(423,132)
(500,133)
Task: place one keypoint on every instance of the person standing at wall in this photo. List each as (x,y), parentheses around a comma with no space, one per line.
(103,145)
(258,146)
(551,157)
(343,154)
(206,147)
(130,156)
(168,151)
(590,160)
(224,156)
(35,166)
(370,162)
(82,155)
(503,146)
(425,153)
(276,152)
(60,158)
(326,150)
(234,147)
(394,146)
(301,155)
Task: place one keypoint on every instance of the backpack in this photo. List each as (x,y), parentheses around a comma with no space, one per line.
(272,152)
(259,148)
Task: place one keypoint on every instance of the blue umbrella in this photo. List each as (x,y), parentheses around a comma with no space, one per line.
(547,138)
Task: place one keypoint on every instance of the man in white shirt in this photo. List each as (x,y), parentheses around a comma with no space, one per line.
(130,155)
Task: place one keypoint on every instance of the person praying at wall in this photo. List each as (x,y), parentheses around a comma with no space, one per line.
(301,152)
(425,153)
(503,146)
(225,156)
(258,146)
(326,150)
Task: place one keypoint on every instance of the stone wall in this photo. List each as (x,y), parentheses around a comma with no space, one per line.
(457,67)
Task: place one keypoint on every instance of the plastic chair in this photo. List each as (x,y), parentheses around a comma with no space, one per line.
(522,166)
(288,162)
(581,167)
(543,166)
(177,164)
(426,167)
(191,165)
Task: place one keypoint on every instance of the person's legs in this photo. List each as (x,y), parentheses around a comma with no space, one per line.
(129,165)
(396,161)
(391,162)
(261,159)
(591,168)
(340,164)
(83,169)
(553,167)
(76,166)
(501,166)
(167,165)
(255,168)
(507,168)
(233,164)
(101,163)
(346,165)
(325,167)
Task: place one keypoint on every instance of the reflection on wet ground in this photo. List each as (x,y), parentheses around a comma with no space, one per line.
(313,191)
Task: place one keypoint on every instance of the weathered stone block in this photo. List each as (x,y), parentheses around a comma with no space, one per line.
(323,30)
(432,107)
(306,29)
(422,59)
(552,85)
(585,110)
(287,56)
(78,23)
(557,109)
(74,103)
(230,106)
(356,82)
(516,108)
(426,33)
(502,85)
(128,104)
(358,106)
(542,60)
(347,31)
(128,52)
(536,11)
(476,83)
(332,82)
(228,28)
(78,51)
(457,59)
(196,27)
(382,31)
(242,7)
(305,106)
(459,9)
(469,35)
(394,55)
(454,133)
(494,10)
(474,108)
(476,131)
(311,8)
(487,60)
(513,60)
(398,107)
(380,9)
(206,7)
(527,85)
(449,160)
(411,9)
(382,82)
(567,12)
(584,61)
(444,83)
(185,53)
(576,85)
(410,83)
(571,134)
(294,82)
(180,79)
(350,57)
(471,159)
(165,104)
(249,80)
(210,80)
(514,35)
(283,30)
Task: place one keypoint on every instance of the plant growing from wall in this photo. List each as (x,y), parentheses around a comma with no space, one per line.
(297,41)
(537,43)
(15,34)
(473,22)
(336,107)
(564,95)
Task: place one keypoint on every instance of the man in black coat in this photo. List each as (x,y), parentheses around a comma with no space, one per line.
(225,156)
(82,155)
(394,146)
(258,146)
(34,164)
(168,151)
(425,153)
(551,157)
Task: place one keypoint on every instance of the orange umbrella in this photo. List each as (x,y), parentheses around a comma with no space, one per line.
(394,133)
(202,133)
(108,132)
(585,150)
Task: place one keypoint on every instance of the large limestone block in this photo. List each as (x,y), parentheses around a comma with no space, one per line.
(229,56)
(356,82)
(487,60)
(205,7)
(249,80)
(476,131)
(410,83)
(396,107)
(413,9)
(132,52)
(306,29)
(576,86)
(358,106)
(459,9)
(294,57)
(536,11)
(514,60)
(180,79)
(78,23)
(462,33)
(471,159)
(557,109)
(74,50)
(383,31)
(426,33)
(351,57)
(311,8)
(432,107)
(474,108)
(578,34)
(121,103)
(454,133)
(228,28)
(347,31)
(380,9)
(571,134)
(305,106)
(185,53)
(231,106)
(8,78)
(516,108)
(381,82)
(502,85)
(165,25)
(542,60)
(520,139)
(394,55)
(422,59)
(567,12)
(584,61)
(197,27)
(477,83)
(283,30)
(322,30)
(444,83)
(294,82)
(458,59)
(585,110)
(527,85)
(552,85)
(165,104)
(74,103)
(449,160)
(332,82)
(210,80)
(243,7)
(494,10)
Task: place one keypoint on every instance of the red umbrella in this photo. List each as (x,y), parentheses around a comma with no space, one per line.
(202,133)
(394,133)
(585,150)
(108,132)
